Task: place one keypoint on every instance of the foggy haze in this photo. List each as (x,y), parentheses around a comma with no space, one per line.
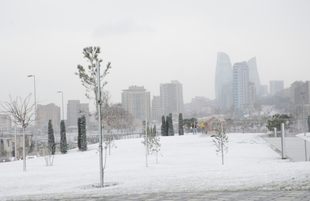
(148,43)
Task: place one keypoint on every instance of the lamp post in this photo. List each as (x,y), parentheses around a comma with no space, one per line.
(35,113)
(62,98)
(303,112)
(303,123)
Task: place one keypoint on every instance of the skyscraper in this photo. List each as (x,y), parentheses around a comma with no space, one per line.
(300,92)
(253,74)
(240,85)
(136,100)
(223,75)
(171,95)
(294,86)
(227,95)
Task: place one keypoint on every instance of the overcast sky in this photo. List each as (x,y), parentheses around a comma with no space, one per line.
(148,43)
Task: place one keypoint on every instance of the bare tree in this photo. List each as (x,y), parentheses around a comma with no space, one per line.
(217,110)
(117,117)
(22,113)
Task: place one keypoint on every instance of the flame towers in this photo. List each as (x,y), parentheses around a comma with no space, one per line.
(253,74)
(238,86)
(223,75)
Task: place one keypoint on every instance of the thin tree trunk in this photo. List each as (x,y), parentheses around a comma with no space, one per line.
(24,152)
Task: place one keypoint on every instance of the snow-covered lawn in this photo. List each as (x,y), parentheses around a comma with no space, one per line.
(185,164)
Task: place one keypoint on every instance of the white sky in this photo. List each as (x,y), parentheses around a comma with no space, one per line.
(148,43)
(185,164)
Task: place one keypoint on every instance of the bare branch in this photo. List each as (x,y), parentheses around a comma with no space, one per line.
(21,110)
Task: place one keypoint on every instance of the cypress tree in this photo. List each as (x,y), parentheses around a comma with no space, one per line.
(170,126)
(167,126)
(163,126)
(63,138)
(79,133)
(51,138)
(83,134)
(181,129)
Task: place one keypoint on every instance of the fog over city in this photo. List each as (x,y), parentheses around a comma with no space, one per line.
(148,43)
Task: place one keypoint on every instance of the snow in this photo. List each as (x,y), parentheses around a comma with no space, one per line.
(185,164)
(305,136)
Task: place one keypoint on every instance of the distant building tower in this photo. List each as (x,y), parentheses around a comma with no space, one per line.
(46,113)
(171,95)
(197,104)
(200,106)
(253,74)
(75,110)
(240,85)
(136,100)
(223,75)
(156,109)
(252,93)
(227,95)
(276,85)
(293,94)
(301,92)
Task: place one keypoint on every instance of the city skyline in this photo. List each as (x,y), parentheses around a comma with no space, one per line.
(147,43)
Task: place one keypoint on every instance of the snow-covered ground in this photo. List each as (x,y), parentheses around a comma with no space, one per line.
(185,164)
(305,136)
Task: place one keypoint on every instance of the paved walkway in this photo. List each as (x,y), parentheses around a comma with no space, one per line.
(295,147)
(220,196)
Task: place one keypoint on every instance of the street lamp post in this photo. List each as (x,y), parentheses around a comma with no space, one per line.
(62,98)
(303,112)
(303,122)
(35,113)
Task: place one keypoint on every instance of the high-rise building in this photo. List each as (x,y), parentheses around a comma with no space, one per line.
(227,95)
(46,113)
(171,98)
(156,109)
(253,74)
(75,110)
(223,75)
(293,86)
(198,103)
(136,100)
(252,93)
(300,92)
(240,85)
(276,85)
